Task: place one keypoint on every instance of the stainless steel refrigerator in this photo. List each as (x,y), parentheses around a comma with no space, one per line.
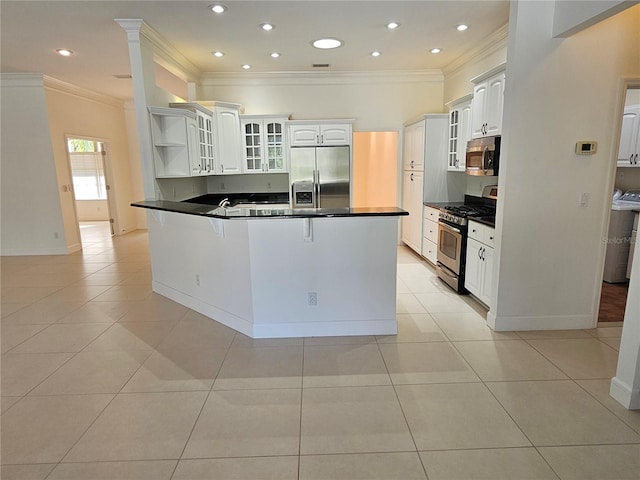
(320,177)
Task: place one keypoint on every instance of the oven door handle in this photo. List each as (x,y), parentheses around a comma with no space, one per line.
(445,225)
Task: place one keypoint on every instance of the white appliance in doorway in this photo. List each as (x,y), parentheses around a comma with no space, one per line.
(620,233)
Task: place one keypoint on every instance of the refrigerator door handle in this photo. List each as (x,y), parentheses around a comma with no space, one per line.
(316,188)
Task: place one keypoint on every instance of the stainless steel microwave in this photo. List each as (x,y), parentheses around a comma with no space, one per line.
(483,156)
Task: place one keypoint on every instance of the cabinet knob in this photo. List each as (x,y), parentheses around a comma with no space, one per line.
(490,238)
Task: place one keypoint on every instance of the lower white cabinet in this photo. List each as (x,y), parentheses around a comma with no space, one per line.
(479,264)
(430,234)
(412,188)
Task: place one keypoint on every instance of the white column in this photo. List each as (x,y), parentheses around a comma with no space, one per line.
(140,76)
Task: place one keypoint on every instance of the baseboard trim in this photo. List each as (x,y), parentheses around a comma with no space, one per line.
(624,394)
(16,252)
(555,322)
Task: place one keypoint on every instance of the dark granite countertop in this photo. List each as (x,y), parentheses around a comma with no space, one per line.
(237,198)
(443,204)
(208,210)
(489,221)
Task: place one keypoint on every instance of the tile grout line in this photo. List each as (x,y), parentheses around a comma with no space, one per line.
(206,399)
(404,415)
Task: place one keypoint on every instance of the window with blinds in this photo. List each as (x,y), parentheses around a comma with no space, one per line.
(87,169)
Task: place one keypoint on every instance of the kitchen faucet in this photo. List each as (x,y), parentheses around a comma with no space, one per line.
(224,202)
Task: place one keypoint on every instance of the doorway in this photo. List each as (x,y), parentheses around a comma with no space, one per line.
(91,190)
(615,286)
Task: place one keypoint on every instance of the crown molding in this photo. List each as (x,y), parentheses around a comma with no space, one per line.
(70,89)
(164,52)
(488,46)
(320,78)
(22,80)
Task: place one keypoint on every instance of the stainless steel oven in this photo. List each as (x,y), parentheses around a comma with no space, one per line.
(451,251)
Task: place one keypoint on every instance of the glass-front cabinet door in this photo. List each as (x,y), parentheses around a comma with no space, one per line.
(251,134)
(264,144)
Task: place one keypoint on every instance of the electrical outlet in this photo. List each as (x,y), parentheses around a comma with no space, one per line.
(268,185)
(197,279)
(312,298)
(55,235)
(221,185)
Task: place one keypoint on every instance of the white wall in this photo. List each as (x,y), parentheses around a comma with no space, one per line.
(92,210)
(377,101)
(32,221)
(550,250)
(74,112)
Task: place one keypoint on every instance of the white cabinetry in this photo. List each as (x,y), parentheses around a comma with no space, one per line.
(479,264)
(312,133)
(263,139)
(206,136)
(412,203)
(174,135)
(414,147)
(430,234)
(229,138)
(488,100)
(459,132)
(424,174)
(630,137)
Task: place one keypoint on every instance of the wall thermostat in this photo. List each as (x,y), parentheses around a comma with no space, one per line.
(586,148)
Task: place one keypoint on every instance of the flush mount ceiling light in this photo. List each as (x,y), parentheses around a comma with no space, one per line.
(327,43)
(375,54)
(217,8)
(267,26)
(435,50)
(392,25)
(275,54)
(65,52)
(462,27)
(246,66)
(218,54)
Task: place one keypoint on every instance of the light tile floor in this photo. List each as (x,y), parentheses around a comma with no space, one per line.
(103,379)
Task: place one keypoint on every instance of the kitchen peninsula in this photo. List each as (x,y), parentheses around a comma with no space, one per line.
(278,272)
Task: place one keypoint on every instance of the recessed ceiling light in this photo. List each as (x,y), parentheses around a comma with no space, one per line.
(217,8)
(65,52)
(275,54)
(267,26)
(375,54)
(246,66)
(392,25)
(327,43)
(435,50)
(462,27)
(218,54)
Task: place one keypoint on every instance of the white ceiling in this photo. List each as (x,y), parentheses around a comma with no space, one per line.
(31,31)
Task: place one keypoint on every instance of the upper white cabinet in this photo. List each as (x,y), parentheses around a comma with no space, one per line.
(263,139)
(630,137)
(229,159)
(217,141)
(413,158)
(174,134)
(487,105)
(304,133)
(459,133)
(206,136)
